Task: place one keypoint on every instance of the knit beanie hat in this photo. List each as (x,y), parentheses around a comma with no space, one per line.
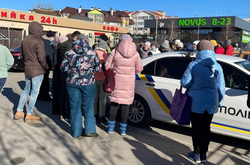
(126,37)
(165,44)
(104,37)
(147,43)
(179,44)
(228,42)
(189,46)
(196,42)
(154,44)
(82,36)
(62,39)
(176,41)
(102,44)
(69,35)
(214,42)
(205,45)
(50,34)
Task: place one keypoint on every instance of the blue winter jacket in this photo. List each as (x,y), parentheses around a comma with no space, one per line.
(206,90)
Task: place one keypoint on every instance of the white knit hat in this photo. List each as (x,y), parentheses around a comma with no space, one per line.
(196,42)
(176,41)
(179,44)
(147,43)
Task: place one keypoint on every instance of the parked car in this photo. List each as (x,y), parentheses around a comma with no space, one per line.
(18,63)
(242,54)
(156,85)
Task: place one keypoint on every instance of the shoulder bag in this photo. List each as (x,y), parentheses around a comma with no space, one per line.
(109,81)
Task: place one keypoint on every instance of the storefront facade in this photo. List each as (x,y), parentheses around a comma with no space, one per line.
(190,29)
(14,27)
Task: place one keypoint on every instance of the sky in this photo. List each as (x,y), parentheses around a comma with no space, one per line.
(181,8)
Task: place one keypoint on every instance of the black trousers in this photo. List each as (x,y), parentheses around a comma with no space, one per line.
(114,109)
(201,131)
(64,98)
(44,90)
(57,88)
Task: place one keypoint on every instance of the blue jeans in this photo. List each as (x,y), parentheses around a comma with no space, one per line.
(2,82)
(81,98)
(33,84)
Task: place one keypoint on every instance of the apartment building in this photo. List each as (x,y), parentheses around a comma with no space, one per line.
(140,16)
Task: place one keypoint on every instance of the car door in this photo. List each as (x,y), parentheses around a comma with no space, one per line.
(165,78)
(233,117)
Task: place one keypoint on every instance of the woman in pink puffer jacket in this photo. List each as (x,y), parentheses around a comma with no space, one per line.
(126,62)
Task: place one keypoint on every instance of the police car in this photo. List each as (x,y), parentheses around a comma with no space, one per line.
(156,85)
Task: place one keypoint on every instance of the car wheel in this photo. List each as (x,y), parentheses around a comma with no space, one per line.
(139,112)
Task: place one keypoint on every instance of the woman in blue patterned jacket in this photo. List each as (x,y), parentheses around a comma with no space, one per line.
(81,63)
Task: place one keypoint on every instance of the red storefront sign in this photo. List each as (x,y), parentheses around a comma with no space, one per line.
(112,28)
(43,19)
(98,34)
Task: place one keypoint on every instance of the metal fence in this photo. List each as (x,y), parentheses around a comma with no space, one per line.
(10,37)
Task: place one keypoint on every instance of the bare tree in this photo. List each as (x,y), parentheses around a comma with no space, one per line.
(172,29)
(41,5)
(227,32)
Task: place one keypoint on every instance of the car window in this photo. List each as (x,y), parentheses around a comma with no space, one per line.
(245,57)
(149,69)
(172,67)
(244,64)
(234,78)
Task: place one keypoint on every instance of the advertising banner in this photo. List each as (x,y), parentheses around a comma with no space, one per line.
(245,39)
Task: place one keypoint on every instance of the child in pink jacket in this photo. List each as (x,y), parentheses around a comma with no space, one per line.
(126,63)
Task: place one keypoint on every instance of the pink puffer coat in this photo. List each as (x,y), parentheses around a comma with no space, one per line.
(127,63)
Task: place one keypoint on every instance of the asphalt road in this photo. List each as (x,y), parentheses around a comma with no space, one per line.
(49,142)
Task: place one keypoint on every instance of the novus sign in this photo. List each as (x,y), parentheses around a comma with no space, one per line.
(205,22)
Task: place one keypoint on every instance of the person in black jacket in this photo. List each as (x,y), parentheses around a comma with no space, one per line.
(44,91)
(57,82)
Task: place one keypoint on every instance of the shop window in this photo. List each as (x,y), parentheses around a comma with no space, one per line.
(97,38)
(116,41)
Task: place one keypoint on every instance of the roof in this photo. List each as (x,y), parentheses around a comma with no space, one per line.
(131,22)
(157,15)
(116,17)
(228,59)
(154,13)
(46,11)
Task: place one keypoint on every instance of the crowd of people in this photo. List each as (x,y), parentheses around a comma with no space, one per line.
(78,76)
(147,48)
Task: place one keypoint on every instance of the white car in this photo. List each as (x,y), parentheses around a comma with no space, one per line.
(157,83)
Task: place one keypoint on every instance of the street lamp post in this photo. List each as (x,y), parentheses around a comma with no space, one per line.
(156,30)
(198,27)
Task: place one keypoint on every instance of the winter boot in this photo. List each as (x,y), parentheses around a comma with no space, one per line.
(19,115)
(123,128)
(111,126)
(32,118)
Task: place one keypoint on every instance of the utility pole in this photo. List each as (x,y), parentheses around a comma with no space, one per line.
(137,23)
(156,29)
(198,27)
